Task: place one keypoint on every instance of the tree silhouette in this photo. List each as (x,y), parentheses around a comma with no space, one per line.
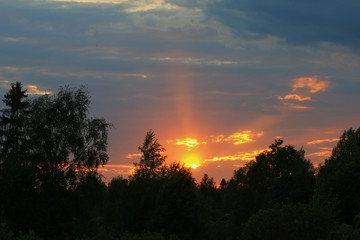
(152,157)
(207,185)
(13,123)
(281,175)
(177,209)
(66,143)
(295,222)
(340,175)
(17,174)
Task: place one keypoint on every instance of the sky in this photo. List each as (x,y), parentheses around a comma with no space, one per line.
(216,80)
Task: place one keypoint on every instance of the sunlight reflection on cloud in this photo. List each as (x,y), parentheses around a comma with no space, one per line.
(328,140)
(118,169)
(308,85)
(189,143)
(133,155)
(242,137)
(130,6)
(31,88)
(244,156)
(311,83)
(295,97)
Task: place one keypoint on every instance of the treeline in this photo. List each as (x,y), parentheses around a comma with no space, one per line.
(50,150)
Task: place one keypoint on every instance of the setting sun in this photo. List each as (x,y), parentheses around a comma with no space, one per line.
(191,160)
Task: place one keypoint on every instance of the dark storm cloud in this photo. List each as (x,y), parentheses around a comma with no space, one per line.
(296,22)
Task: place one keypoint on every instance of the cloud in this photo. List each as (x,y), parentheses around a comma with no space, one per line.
(22,40)
(130,5)
(297,24)
(133,155)
(243,156)
(296,106)
(325,153)
(31,88)
(4,83)
(34,90)
(53,72)
(189,143)
(311,83)
(242,137)
(144,6)
(328,140)
(93,1)
(294,97)
(117,169)
(200,61)
(218,138)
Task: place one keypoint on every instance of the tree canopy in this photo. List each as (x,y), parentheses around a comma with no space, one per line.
(279,175)
(152,157)
(49,146)
(66,143)
(340,175)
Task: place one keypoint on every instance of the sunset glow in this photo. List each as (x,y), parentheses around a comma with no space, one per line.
(191,160)
(189,143)
(295,97)
(243,156)
(329,140)
(313,84)
(242,137)
(215,93)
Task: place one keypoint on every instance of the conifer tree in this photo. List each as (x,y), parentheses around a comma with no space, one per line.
(13,134)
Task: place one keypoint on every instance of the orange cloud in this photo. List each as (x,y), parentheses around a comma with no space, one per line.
(34,90)
(244,156)
(299,107)
(294,97)
(312,83)
(189,143)
(242,137)
(325,154)
(118,169)
(218,139)
(329,140)
(133,155)
(31,88)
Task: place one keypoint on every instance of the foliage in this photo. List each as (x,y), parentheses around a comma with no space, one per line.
(13,131)
(29,236)
(291,222)
(177,210)
(17,176)
(49,148)
(281,175)
(207,185)
(147,236)
(151,159)
(115,210)
(340,175)
(6,234)
(168,203)
(66,143)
